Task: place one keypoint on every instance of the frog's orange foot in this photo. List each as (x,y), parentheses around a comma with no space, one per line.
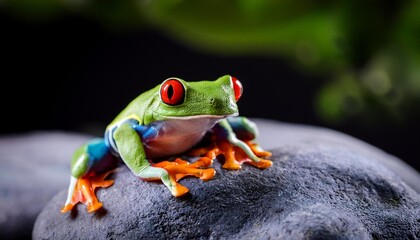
(258,151)
(209,151)
(232,165)
(236,156)
(179,168)
(85,192)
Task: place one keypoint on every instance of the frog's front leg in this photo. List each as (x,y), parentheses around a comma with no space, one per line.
(235,139)
(131,150)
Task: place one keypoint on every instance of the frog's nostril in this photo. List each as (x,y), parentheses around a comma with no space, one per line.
(212,101)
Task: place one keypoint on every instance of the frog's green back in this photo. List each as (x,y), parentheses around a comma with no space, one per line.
(140,106)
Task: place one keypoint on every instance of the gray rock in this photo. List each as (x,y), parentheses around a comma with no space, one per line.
(33,168)
(322,185)
(275,134)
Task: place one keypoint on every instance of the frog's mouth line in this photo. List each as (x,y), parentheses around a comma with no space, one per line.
(200,116)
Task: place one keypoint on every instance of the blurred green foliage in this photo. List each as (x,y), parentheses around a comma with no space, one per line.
(369,50)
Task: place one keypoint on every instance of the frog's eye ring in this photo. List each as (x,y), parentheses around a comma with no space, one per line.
(172,92)
(237,87)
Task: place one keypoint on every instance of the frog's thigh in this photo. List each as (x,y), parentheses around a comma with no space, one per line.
(80,162)
(130,148)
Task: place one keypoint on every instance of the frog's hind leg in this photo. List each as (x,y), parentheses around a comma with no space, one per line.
(247,131)
(90,166)
(236,137)
(69,202)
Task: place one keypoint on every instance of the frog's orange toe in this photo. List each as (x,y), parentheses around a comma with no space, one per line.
(67,208)
(179,190)
(263,154)
(203,162)
(258,150)
(94,206)
(263,164)
(207,174)
(232,165)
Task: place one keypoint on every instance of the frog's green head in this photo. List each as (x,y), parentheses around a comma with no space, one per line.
(182,99)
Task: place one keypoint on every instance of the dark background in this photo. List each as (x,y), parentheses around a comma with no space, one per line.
(73,74)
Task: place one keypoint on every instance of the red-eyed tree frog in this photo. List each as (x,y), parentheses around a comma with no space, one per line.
(169,120)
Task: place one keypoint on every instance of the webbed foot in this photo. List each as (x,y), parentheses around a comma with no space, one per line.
(179,168)
(234,155)
(85,192)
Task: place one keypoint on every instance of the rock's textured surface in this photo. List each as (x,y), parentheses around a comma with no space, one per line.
(33,168)
(318,188)
(275,134)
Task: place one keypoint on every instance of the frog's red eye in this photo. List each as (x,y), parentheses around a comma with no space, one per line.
(172,92)
(237,87)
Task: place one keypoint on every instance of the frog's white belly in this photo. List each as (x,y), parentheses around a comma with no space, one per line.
(176,136)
